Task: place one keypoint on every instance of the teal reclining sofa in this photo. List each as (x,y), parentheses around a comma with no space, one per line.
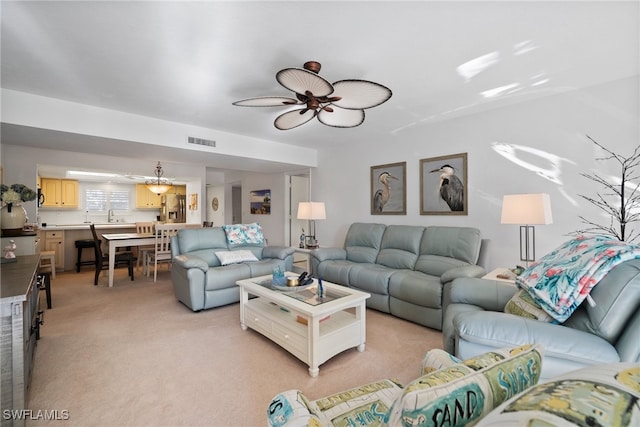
(201,281)
(403,267)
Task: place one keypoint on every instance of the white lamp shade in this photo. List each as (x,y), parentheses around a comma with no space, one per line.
(526,209)
(311,210)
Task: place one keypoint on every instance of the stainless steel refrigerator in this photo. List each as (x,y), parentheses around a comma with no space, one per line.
(173,208)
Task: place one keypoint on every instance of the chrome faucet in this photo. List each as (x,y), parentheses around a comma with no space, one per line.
(110,216)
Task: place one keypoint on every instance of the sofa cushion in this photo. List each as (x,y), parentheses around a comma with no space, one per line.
(616,298)
(336,271)
(362,242)
(436,265)
(244,234)
(360,406)
(234,257)
(371,277)
(465,392)
(416,287)
(400,246)
(436,359)
(226,276)
(461,243)
(196,239)
(601,395)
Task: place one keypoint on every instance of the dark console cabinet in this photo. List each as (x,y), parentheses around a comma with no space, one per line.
(20,320)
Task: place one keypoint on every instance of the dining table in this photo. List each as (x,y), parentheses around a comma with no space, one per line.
(119,240)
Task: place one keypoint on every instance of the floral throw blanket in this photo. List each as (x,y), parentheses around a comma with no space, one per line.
(563,278)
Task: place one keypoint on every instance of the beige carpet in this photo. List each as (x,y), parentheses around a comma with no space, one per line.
(133,355)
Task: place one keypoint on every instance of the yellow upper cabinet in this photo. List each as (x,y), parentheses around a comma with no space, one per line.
(145,199)
(59,193)
(178,189)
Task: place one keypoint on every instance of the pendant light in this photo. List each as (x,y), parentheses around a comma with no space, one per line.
(159,185)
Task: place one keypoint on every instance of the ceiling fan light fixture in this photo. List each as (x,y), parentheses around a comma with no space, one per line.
(344,108)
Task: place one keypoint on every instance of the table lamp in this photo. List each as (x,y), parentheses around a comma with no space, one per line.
(527,209)
(311,211)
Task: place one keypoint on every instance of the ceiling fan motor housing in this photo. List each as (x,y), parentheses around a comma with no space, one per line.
(312,66)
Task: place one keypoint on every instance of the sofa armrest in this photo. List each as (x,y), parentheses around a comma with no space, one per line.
(323,254)
(494,329)
(465,271)
(191,261)
(490,295)
(277,252)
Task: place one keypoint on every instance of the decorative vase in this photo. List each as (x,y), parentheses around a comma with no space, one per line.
(12,219)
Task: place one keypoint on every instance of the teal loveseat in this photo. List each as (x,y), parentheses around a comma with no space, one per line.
(403,267)
(202,278)
(606,332)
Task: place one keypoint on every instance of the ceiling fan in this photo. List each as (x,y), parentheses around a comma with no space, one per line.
(340,104)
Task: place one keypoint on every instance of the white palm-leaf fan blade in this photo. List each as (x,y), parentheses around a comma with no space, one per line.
(300,81)
(341,117)
(294,118)
(360,94)
(267,101)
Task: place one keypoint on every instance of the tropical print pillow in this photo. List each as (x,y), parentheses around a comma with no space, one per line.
(244,234)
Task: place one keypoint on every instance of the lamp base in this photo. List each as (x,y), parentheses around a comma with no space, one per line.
(311,243)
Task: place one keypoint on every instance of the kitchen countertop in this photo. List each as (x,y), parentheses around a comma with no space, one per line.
(53,227)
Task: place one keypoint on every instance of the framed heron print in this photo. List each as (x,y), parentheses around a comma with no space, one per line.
(443,185)
(389,189)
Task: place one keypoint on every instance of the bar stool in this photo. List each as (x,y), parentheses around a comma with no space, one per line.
(49,258)
(80,245)
(44,284)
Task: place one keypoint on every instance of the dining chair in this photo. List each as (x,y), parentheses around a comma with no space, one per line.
(162,252)
(146,227)
(102,259)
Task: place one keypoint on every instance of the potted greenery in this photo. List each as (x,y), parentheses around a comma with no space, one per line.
(13,216)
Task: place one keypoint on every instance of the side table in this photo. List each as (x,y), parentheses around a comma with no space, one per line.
(307,258)
(493,275)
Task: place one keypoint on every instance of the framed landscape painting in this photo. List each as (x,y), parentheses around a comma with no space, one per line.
(443,185)
(260,202)
(389,189)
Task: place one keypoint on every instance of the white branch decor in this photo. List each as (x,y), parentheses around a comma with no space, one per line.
(620,201)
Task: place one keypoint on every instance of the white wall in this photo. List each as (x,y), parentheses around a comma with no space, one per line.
(216,216)
(272,224)
(555,125)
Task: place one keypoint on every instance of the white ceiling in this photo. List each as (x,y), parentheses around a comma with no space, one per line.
(188,61)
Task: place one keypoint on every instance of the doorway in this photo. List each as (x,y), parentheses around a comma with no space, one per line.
(298,192)
(236,204)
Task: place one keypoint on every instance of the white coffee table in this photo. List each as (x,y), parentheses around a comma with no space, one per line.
(312,333)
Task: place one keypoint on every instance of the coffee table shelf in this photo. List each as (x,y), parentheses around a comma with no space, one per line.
(331,328)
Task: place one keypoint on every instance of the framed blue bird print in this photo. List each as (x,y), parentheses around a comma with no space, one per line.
(389,189)
(443,185)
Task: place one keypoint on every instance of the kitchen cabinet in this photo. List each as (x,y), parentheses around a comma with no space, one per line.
(178,189)
(59,193)
(21,320)
(54,241)
(145,199)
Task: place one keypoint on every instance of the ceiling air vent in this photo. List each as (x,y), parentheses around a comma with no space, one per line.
(200,141)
